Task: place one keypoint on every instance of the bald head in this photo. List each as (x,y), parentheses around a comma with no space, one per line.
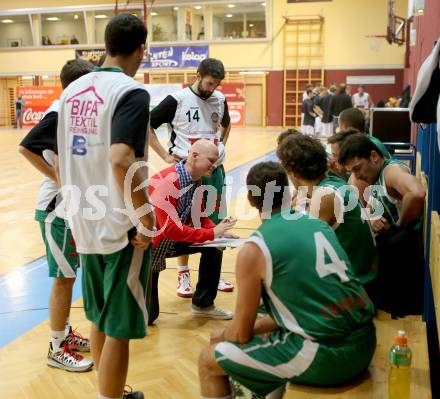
(204,147)
(202,158)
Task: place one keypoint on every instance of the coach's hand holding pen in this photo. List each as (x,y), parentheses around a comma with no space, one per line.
(222,229)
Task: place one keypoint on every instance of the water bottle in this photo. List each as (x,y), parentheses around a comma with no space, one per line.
(399,380)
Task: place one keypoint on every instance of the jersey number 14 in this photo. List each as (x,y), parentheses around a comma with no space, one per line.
(195,115)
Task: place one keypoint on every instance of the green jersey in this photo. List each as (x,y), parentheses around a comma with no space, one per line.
(310,288)
(391,206)
(353,229)
(380,146)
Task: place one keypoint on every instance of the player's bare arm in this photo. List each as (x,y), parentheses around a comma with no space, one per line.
(122,156)
(402,185)
(157,147)
(249,269)
(38,162)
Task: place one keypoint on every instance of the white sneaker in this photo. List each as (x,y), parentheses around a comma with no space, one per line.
(66,359)
(77,342)
(212,312)
(225,286)
(184,289)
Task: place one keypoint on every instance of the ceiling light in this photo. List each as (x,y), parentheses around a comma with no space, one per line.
(175,8)
(154,14)
(52,19)
(27,77)
(75,16)
(198,7)
(263,4)
(251,25)
(101,16)
(229,15)
(252,73)
(231,5)
(45,77)
(7,21)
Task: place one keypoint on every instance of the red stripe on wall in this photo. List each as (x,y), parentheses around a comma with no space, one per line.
(428,31)
(274,80)
(274,98)
(377,92)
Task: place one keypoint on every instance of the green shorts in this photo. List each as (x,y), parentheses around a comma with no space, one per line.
(215,201)
(114,291)
(61,254)
(269,361)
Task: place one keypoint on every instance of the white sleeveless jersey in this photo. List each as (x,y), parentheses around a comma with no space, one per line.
(48,189)
(99,224)
(361,101)
(195,119)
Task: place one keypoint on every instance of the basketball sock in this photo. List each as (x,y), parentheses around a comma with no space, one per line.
(56,337)
(184,268)
(67,328)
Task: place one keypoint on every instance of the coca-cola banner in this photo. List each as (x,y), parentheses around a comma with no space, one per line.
(37,100)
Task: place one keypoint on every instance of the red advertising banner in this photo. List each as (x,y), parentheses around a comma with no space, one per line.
(233,92)
(237,113)
(37,100)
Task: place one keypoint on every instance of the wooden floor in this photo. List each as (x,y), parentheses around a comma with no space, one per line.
(164,365)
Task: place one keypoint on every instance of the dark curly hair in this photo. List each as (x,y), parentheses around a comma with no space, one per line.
(285,134)
(211,67)
(356,146)
(339,138)
(260,175)
(303,155)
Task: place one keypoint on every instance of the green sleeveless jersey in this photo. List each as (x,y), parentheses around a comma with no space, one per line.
(310,288)
(380,146)
(353,230)
(391,207)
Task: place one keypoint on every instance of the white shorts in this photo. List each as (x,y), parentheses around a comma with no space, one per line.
(327,129)
(308,130)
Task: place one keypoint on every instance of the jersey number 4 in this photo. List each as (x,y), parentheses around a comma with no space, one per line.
(336,265)
(195,116)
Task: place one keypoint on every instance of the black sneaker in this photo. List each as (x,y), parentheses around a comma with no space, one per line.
(130,394)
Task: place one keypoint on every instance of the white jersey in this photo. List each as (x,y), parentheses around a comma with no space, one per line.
(361,101)
(48,189)
(195,119)
(100,223)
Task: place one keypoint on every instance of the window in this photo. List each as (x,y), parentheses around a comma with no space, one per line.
(63,28)
(177,23)
(239,21)
(15,31)
(101,19)
(164,24)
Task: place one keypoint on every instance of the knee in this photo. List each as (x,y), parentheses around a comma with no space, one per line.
(63,282)
(207,362)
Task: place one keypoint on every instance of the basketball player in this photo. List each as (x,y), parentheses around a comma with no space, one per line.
(332,200)
(321,336)
(196,112)
(38,148)
(397,201)
(103,120)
